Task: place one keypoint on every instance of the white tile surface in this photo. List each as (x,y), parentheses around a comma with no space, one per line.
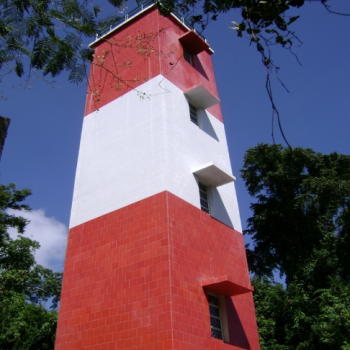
(134,148)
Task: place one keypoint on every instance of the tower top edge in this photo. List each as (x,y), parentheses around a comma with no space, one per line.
(138,11)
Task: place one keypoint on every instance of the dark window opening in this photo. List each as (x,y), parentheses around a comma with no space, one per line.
(215,317)
(188,56)
(193,114)
(204,199)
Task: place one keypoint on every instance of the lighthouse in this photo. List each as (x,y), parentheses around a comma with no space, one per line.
(155,256)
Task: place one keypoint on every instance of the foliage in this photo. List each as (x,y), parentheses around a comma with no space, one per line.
(266,22)
(305,196)
(48,35)
(300,227)
(302,317)
(10,199)
(24,286)
(24,325)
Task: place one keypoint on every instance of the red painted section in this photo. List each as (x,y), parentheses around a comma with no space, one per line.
(201,249)
(140,50)
(133,280)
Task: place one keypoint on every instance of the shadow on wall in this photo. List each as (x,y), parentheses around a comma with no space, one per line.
(236,331)
(199,67)
(219,210)
(207,126)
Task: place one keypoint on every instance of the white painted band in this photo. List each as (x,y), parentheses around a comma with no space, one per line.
(134,148)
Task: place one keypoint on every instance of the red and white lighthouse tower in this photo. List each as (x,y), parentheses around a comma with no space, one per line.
(155,256)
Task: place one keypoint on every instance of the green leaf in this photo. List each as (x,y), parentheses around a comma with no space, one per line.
(19,68)
(97,10)
(253,31)
(87,54)
(280,23)
(260,48)
(279,39)
(78,74)
(117,3)
(292,19)
(270,31)
(296,3)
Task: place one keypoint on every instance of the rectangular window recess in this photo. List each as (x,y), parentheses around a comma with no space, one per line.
(195,41)
(187,56)
(203,196)
(215,317)
(193,114)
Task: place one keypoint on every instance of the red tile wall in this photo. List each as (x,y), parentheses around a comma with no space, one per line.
(132,280)
(201,249)
(140,50)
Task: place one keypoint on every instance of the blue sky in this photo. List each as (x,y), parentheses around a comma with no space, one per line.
(42,144)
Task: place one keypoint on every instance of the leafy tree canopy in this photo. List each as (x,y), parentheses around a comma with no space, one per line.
(24,286)
(301,317)
(48,35)
(266,22)
(301,228)
(301,217)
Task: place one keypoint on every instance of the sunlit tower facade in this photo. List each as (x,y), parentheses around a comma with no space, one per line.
(155,256)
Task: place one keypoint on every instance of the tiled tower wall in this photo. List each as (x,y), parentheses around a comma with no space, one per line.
(116,288)
(132,280)
(201,249)
(133,148)
(142,49)
(134,269)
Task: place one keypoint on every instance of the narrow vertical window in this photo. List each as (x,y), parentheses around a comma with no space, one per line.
(193,114)
(187,56)
(215,317)
(204,200)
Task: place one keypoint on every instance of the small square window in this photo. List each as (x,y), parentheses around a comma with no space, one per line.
(187,56)
(193,114)
(204,198)
(215,317)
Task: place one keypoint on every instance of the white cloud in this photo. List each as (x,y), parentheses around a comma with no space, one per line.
(50,233)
